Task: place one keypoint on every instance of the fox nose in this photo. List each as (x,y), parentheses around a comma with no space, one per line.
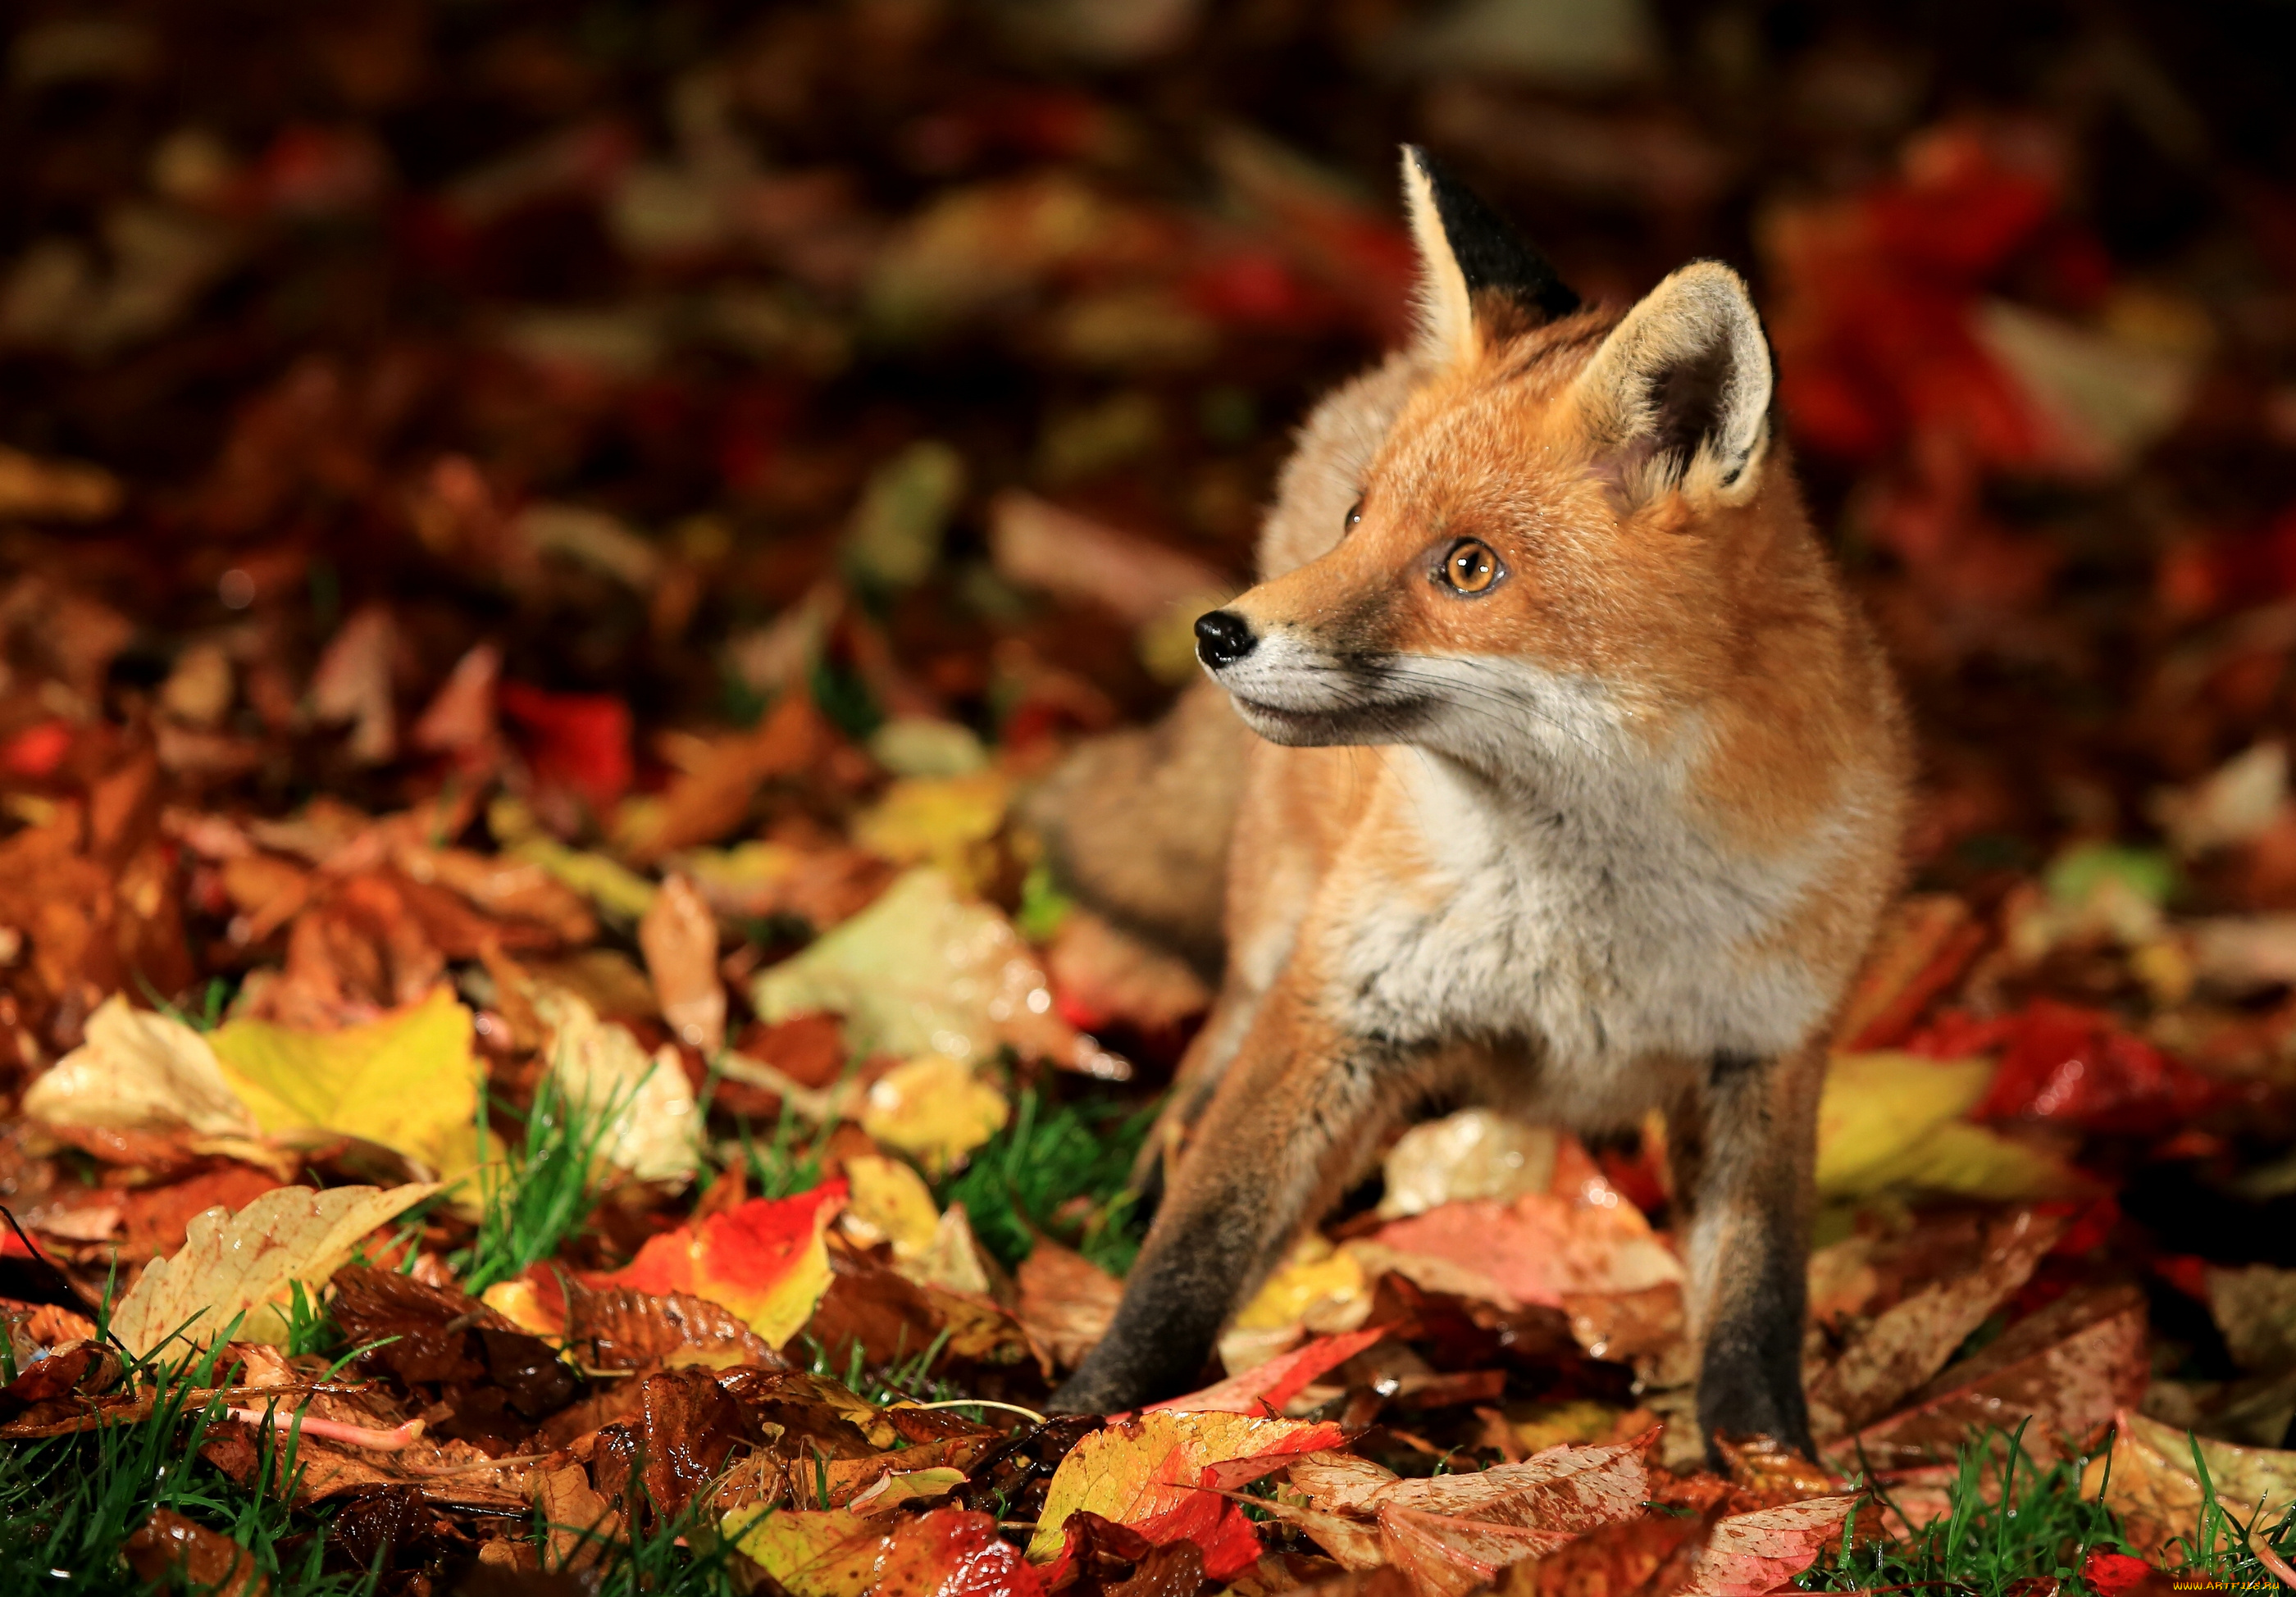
(1223,638)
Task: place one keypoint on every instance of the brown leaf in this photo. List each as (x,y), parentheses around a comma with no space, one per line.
(620,1328)
(1752,1553)
(167,1549)
(1066,1302)
(2070,1367)
(582,1525)
(713,794)
(679,937)
(1909,1342)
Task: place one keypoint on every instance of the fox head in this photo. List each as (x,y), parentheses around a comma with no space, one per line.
(1560,536)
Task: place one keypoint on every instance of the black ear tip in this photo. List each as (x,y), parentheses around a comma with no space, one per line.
(1489,253)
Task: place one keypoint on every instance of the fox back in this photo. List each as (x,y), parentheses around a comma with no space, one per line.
(1572,781)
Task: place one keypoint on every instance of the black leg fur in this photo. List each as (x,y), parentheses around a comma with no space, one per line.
(1743,1159)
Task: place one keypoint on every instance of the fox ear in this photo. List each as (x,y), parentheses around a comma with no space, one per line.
(1678,395)
(1465,251)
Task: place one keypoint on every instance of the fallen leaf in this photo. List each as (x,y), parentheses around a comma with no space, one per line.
(1452,1533)
(1910,1341)
(408,1081)
(2069,1367)
(655,1127)
(954,1552)
(889,1203)
(167,1550)
(1475,1153)
(812,1553)
(764,1259)
(921,971)
(1143,1472)
(34,489)
(352,682)
(1103,975)
(2255,1307)
(934,1109)
(946,821)
(2148,1477)
(243,1262)
(1752,1553)
(1066,1302)
(1889,1119)
(621,1328)
(582,1526)
(139,1070)
(1041,546)
(1580,1247)
(1267,1387)
(679,936)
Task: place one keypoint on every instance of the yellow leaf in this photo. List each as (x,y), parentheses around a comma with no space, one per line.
(934,1109)
(826,1552)
(408,1081)
(938,819)
(599,1062)
(906,1486)
(889,1203)
(244,1262)
(2150,1479)
(1889,1119)
(1475,1153)
(1316,1278)
(1150,1464)
(922,970)
(139,1072)
(614,888)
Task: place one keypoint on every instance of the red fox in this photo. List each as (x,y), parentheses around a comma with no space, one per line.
(1552,768)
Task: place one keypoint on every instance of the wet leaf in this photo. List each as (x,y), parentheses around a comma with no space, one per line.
(1267,1387)
(2070,1367)
(2150,1478)
(408,1081)
(1894,1120)
(1911,1341)
(921,971)
(935,1110)
(1752,1553)
(655,1125)
(1143,1472)
(139,1070)
(169,1549)
(243,1262)
(1472,1154)
(764,1259)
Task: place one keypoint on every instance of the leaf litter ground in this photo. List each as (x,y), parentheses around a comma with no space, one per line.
(542,559)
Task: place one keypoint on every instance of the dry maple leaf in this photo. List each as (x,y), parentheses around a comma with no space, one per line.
(243,1262)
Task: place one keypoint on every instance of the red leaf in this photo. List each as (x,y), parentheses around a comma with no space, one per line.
(1265,1389)
(581,740)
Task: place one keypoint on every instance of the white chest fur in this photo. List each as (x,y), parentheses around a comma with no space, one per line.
(1581,911)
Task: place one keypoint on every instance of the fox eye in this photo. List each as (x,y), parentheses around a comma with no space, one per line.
(1471,566)
(1355,518)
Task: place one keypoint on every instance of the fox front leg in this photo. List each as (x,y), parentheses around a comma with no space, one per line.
(1744,1153)
(1293,1118)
